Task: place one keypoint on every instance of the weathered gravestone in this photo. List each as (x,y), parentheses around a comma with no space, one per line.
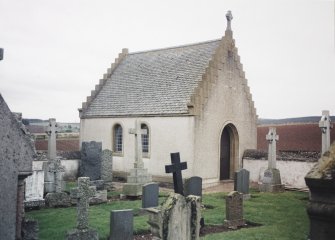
(321,207)
(82,193)
(90,164)
(107,168)
(175,168)
(121,225)
(325,126)
(271,181)
(34,189)
(17,153)
(138,175)
(234,210)
(150,195)
(178,218)
(193,186)
(241,183)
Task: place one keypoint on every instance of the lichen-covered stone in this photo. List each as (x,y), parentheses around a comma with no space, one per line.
(61,199)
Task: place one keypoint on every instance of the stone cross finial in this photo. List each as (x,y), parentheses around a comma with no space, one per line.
(52,129)
(272,137)
(229,17)
(176,167)
(82,193)
(137,131)
(56,168)
(325,126)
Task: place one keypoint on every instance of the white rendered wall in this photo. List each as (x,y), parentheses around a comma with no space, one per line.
(166,135)
(292,172)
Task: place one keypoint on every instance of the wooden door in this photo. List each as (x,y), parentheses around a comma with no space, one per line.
(225,155)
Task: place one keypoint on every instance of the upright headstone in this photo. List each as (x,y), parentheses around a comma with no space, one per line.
(321,207)
(178,218)
(193,186)
(34,190)
(271,181)
(150,195)
(17,153)
(121,225)
(176,167)
(107,168)
(90,164)
(234,210)
(241,182)
(325,126)
(138,175)
(82,193)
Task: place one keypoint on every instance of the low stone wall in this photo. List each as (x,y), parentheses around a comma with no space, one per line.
(293,166)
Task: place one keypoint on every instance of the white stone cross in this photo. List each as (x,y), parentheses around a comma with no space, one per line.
(229,17)
(52,129)
(325,126)
(272,137)
(83,193)
(137,131)
(56,168)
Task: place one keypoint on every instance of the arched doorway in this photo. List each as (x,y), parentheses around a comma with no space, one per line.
(228,152)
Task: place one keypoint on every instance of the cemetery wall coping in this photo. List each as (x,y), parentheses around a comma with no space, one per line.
(298,156)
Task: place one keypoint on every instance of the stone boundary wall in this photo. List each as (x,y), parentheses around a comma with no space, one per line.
(293,166)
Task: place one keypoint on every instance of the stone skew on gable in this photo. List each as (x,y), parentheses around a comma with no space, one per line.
(209,79)
(102,81)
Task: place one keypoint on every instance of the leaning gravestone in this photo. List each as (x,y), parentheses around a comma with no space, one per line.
(178,218)
(193,186)
(150,193)
(241,183)
(321,207)
(234,210)
(90,164)
(107,168)
(121,225)
(82,193)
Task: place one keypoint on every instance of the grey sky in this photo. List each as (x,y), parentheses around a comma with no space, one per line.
(56,51)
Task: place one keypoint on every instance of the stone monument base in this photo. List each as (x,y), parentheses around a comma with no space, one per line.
(234,224)
(85,234)
(137,178)
(271,181)
(35,203)
(61,199)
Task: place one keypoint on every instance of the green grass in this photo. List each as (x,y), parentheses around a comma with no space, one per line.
(283,217)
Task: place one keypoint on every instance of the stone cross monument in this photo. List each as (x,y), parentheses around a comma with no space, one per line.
(325,126)
(229,17)
(83,193)
(138,175)
(51,131)
(57,170)
(176,167)
(272,137)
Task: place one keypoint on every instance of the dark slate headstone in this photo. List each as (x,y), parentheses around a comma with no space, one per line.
(193,186)
(175,168)
(150,193)
(241,181)
(121,225)
(90,165)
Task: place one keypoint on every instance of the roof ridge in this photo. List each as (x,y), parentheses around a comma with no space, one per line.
(174,47)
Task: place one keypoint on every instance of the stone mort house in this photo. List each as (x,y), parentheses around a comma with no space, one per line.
(193,99)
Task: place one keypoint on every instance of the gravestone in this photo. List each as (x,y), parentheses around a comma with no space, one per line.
(241,182)
(34,189)
(321,207)
(176,167)
(325,126)
(90,164)
(177,218)
(121,225)
(193,186)
(107,168)
(82,193)
(234,210)
(138,175)
(17,153)
(150,195)
(271,181)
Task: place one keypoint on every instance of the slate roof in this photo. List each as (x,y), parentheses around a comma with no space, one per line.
(156,82)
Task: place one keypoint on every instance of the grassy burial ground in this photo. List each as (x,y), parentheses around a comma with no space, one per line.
(270,216)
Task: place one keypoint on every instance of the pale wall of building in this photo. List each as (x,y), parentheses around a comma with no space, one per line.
(166,134)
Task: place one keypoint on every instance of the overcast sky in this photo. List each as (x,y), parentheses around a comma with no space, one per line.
(56,51)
